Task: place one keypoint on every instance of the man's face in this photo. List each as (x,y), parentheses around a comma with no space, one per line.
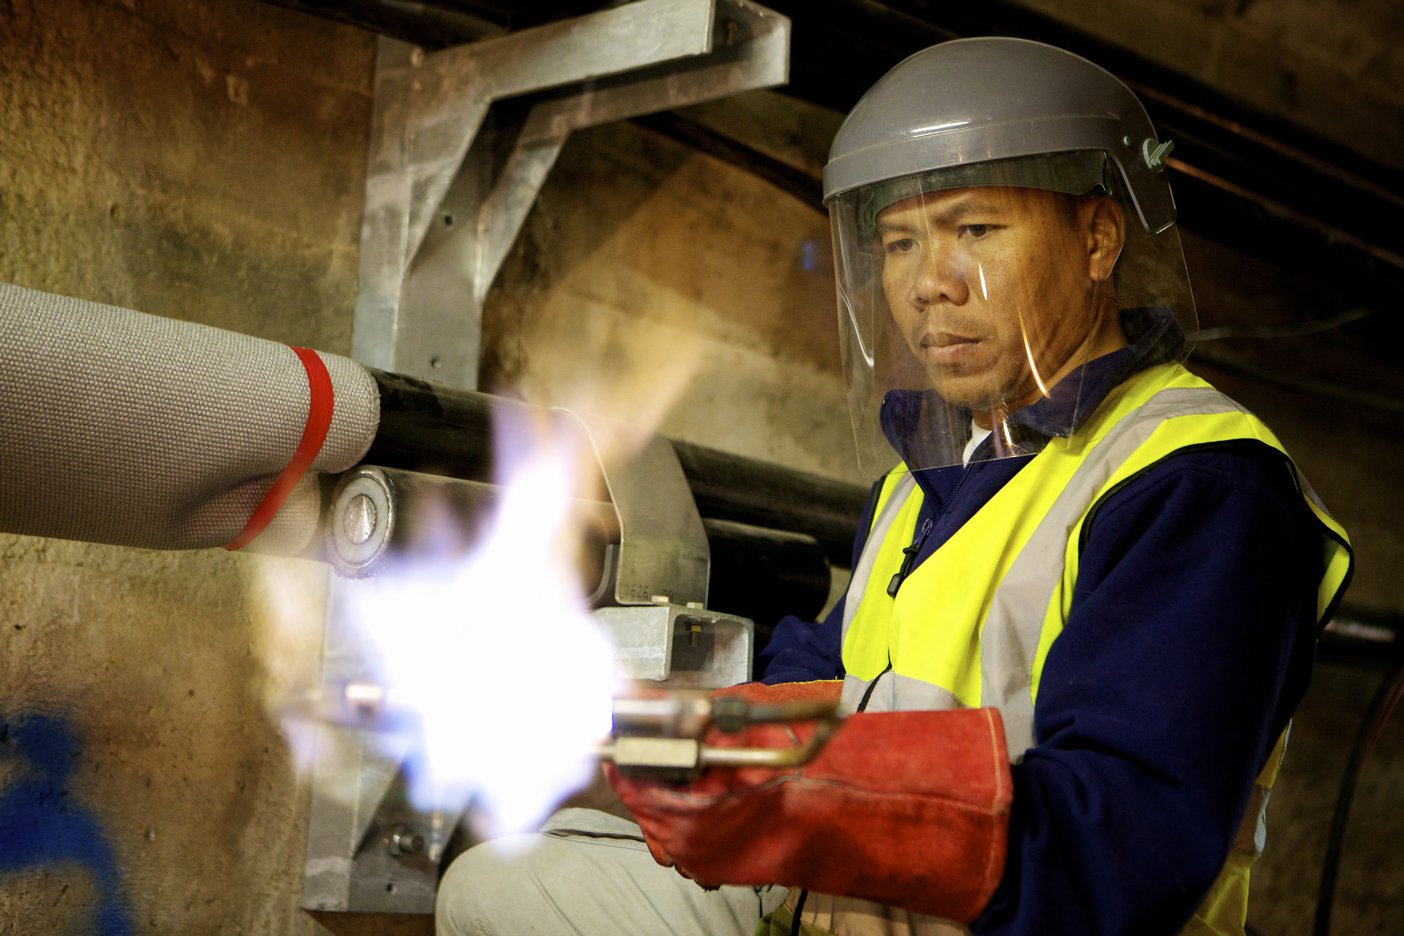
(992,288)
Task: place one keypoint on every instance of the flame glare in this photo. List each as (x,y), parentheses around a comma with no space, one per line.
(499,657)
(489,651)
(495,653)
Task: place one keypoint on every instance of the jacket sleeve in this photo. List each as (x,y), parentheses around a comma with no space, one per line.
(801,650)
(1188,645)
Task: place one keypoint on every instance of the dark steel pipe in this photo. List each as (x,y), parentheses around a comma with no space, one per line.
(440,430)
(423,518)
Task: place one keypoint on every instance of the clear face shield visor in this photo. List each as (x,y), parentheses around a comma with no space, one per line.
(968,295)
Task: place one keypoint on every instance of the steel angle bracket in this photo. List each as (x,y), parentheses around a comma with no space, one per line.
(679,647)
(451,178)
(369,850)
(663,556)
(658,573)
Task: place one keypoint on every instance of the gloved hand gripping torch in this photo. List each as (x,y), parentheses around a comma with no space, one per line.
(664,736)
(658,734)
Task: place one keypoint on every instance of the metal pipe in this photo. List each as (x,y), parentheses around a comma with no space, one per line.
(431,428)
(164,434)
(381,519)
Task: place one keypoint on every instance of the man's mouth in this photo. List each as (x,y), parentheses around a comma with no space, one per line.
(945,340)
(949,350)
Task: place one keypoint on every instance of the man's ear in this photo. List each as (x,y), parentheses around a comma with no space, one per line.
(1104,221)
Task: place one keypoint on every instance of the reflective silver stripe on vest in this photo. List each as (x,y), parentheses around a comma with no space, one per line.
(902,488)
(1010,636)
(894,692)
(853,687)
(1009,641)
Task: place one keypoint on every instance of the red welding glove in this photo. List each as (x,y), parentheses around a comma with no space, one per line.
(909,809)
(758,693)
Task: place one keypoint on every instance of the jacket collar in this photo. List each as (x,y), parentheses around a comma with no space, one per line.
(1153,337)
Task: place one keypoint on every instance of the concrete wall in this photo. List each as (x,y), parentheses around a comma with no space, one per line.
(680,294)
(205,160)
(1335,66)
(202,161)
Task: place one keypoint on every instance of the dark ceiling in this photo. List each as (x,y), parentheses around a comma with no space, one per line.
(1288,233)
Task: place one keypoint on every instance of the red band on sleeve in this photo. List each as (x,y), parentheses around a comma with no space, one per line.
(314,434)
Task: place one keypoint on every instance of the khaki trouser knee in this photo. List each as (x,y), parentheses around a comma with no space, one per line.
(586,873)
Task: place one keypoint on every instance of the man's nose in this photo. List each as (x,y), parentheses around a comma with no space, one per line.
(940,278)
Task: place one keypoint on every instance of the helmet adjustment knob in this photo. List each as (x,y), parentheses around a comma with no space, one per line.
(1154,153)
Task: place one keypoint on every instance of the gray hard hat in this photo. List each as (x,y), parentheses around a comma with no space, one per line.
(975,101)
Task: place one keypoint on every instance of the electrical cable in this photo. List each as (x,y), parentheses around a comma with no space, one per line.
(1371,727)
(1289,329)
(1354,397)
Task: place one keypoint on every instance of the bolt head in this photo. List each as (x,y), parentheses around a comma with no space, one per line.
(359,520)
(405,841)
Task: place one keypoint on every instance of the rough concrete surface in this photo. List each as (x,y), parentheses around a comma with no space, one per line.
(1334,66)
(200,161)
(643,289)
(1285,882)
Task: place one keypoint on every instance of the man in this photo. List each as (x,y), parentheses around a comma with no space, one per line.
(1084,602)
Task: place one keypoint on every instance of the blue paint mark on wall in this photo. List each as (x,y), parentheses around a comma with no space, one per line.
(41,825)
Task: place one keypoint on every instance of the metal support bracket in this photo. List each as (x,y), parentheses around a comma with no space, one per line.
(679,647)
(659,624)
(662,556)
(368,849)
(450,181)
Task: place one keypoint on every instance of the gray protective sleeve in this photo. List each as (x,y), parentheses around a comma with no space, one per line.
(124,428)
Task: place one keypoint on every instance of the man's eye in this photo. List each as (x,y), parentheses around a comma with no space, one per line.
(977,230)
(899,245)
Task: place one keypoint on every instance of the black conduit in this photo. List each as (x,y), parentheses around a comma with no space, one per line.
(1376,717)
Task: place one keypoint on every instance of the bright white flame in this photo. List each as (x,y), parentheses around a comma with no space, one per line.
(499,658)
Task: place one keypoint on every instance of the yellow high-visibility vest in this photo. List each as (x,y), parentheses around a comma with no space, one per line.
(1002,585)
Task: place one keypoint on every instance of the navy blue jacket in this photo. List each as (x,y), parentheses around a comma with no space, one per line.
(1189,644)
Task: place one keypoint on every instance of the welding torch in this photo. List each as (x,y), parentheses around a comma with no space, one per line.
(658,734)
(661,735)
